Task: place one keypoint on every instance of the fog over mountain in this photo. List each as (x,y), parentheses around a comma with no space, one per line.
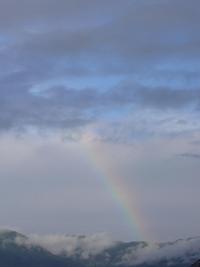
(95,250)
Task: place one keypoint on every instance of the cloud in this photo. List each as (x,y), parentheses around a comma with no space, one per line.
(33,14)
(70,65)
(127,30)
(124,39)
(183,251)
(82,246)
(190,155)
(60,109)
(156,97)
(109,115)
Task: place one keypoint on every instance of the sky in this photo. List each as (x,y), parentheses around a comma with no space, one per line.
(99,117)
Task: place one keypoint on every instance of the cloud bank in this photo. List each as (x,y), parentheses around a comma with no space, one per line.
(81,246)
(184,251)
(84,247)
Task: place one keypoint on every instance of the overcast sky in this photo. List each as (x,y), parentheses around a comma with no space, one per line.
(88,86)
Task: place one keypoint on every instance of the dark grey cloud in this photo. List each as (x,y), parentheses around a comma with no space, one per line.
(195,142)
(190,155)
(142,33)
(36,13)
(154,45)
(157,97)
(20,109)
(63,107)
(133,34)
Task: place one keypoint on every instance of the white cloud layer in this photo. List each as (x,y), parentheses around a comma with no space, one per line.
(83,246)
(183,250)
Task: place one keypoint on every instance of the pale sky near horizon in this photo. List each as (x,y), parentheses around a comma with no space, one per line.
(99,117)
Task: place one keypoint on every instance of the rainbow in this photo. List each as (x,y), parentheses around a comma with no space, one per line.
(118,189)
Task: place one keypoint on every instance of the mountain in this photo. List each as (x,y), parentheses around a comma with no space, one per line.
(18,250)
(14,255)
